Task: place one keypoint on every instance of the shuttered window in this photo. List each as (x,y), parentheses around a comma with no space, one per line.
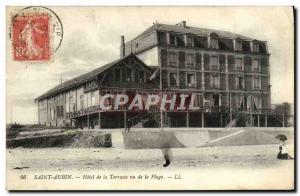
(190,59)
(172,59)
(164,58)
(198,61)
(181,59)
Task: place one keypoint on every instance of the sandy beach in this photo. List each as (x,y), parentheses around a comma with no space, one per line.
(251,163)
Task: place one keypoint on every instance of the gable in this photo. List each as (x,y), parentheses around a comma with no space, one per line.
(130,71)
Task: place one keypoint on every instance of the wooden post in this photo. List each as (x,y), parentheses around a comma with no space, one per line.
(88,121)
(266,120)
(258,120)
(230,108)
(99,120)
(125,119)
(187,119)
(202,119)
(251,117)
(221,119)
(283,123)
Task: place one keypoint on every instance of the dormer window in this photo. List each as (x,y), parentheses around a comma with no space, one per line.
(189,41)
(238,45)
(254,46)
(214,43)
(172,39)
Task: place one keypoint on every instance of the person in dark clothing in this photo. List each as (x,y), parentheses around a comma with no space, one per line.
(283,153)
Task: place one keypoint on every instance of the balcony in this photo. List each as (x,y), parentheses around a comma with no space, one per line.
(239,69)
(256,88)
(191,85)
(239,88)
(120,85)
(256,70)
(215,68)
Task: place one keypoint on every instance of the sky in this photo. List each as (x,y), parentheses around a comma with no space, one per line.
(92,39)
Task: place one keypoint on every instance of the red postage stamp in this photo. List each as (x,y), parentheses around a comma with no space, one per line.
(31,37)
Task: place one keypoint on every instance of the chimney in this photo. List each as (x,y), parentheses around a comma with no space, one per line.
(184,24)
(122,48)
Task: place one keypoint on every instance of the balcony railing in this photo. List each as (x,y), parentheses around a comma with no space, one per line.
(215,68)
(191,85)
(256,70)
(121,85)
(240,88)
(239,69)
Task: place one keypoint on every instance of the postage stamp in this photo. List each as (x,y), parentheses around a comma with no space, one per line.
(31,39)
(36,33)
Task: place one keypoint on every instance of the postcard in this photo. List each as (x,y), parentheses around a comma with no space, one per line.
(150,98)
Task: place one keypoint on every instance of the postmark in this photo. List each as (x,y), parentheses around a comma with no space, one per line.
(36,34)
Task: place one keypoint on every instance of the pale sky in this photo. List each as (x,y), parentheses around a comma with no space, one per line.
(92,38)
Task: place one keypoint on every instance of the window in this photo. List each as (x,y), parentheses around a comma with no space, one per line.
(117,75)
(71,103)
(214,43)
(240,82)
(214,63)
(215,81)
(52,113)
(172,59)
(74,107)
(189,41)
(191,80)
(136,76)
(130,75)
(93,99)
(60,111)
(173,79)
(81,102)
(190,60)
(123,73)
(255,66)
(216,100)
(172,39)
(238,65)
(238,45)
(162,38)
(256,83)
(141,77)
(180,40)
(254,47)
(109,77)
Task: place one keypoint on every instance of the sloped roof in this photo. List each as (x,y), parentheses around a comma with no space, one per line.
(85,77)
(193,30)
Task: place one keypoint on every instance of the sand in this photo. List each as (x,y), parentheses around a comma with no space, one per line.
(230,167)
